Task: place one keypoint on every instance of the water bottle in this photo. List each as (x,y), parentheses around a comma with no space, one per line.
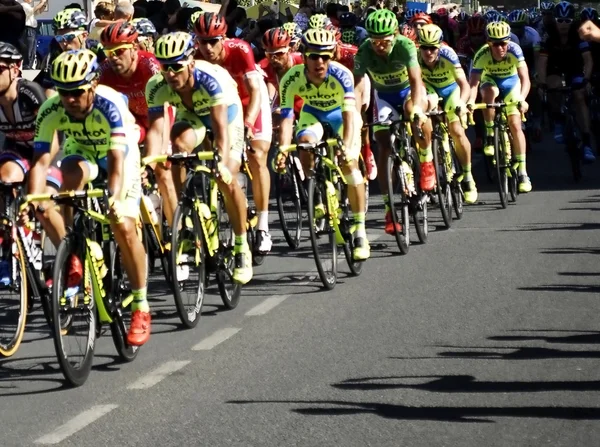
(151,216)
(97,258)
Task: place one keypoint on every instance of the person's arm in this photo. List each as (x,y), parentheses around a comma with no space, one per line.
(523,73)
(45,147)
(416,85)
(474,79)
(37,8)
(220,123)
(359,91)
(116,168)
(252,83)
(287,93)
(588,64)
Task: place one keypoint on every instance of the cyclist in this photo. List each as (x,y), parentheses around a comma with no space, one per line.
(391,62)
(420,19)
(101,135)
(547,22)
(461,19)
(448,26)
(501,69)
(295,33)
(205,96)
(354,34)
(127,69)
(468,45)
(563,53)
(236,56)
(146,34)
(327,89)
(444,76)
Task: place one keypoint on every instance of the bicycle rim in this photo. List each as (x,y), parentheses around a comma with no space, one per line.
(13,298)
(289,208)
(229,290)
(322,234)
(442,189)
(121,309)
(419,201)
(501,178)
(398,202)
(74,341)
(348,247)
(188,258)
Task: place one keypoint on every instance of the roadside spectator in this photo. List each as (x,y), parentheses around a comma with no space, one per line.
(104,13)
(305,11)
(124,11)
(31,30)
(12,24)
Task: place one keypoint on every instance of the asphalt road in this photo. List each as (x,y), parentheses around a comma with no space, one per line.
(486,335)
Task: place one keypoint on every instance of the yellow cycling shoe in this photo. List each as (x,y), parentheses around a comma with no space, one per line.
(242,273)
(470,191)
(362,249)
(524,184)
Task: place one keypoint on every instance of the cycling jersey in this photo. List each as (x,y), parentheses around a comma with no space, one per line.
(133,86)
(387,74)
(484,63)
(529,39)
(19,134)
(271,77)
(346,54)
(564,58)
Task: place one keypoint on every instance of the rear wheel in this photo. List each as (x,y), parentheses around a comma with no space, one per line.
(442,185)
(418,202)
(322,234)
(355,266)
(289,207)
(229,290)
(501,177)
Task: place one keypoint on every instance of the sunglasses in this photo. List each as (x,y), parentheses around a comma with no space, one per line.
(117,51)
(316,57)
(382,42)
(175,67)
(277,53)
(428,48)
(565,21)
(211,42)
(500,44)
(71,93)
(68,37)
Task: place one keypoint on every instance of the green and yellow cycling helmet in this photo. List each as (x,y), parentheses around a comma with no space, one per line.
(318,21)
(381,23)
(193,20)
(75,69)
(71,19)
(174,47)
(294,31)
(497,31)
(349,36)
(430,36)
(319,41)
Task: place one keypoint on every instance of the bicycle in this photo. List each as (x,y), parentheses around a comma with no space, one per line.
(505,169)
(201,237)
(100,297)
(328,208)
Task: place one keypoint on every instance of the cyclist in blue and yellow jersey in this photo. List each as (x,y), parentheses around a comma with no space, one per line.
(101,135)
(391,62)
(445,78)
(206,97)
(501,69)
(327,89)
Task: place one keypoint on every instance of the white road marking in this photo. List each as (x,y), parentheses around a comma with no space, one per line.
(153,377)
(216,338)
(266,305)
(77,423)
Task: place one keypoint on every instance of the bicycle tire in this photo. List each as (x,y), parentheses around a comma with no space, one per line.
(500,157)
(419,201)
(120,313)
(328,277)
(229,290)
(348,246)
(189,310)
(442,186)
(75,374)
(287,190)
(153,250)
(457,192)
(398,202)
(9,345)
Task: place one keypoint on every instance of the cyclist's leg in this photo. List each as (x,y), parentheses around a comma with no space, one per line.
(427,180)
(489,92)
(187,134)
(367,153)
(164,176)
(261,178)
(583,116)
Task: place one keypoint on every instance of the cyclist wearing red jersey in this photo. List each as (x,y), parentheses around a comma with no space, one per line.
(127,69)
(236,56)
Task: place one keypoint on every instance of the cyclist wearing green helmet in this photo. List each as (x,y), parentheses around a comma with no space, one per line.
(391,61)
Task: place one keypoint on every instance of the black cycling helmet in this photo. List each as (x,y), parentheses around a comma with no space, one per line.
(348,20)
(9,53)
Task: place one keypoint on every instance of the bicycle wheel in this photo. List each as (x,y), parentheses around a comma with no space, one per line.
(322,234)
(457,192)
(13,297)
(418,202)
(188,258)
(74,342)
(120,306)
(289,207)
(442,185)
(346,228)
(500,157)
(229,290)
(399,201)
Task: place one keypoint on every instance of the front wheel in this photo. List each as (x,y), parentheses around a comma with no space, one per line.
(397,177)
(289,207)
(442,185)
(229,290)
(500,157)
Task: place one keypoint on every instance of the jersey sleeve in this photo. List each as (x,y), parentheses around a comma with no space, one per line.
(344,77)
(407,51)
(157,93)
(46,124)
(360,61)
(287,91)
(516,51)
(450,55)
(114,113)
(479,60)
(243,56)
(212,85)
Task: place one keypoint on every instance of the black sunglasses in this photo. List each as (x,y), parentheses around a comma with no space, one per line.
(428,48)
(212,42)
(316,57)
(71,93)
(566,21)
(500,44)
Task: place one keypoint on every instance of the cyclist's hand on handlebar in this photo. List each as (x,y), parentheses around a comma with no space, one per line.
(417,115)
(224,173)
(523,107)
(279,162)
(24,217)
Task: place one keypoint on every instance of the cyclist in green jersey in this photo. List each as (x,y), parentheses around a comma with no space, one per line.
(391,62)
(327,89)
(501,69)
(446,80)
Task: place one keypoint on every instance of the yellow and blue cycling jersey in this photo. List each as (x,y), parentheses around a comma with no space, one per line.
(105,128)
(323,103)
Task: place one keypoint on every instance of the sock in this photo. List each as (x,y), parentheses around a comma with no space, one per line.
(263,221)
(241,243)
(426,154)
(386,203)
(489,128)
(359,220)
(467,172)
(522,169)
(139,300)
